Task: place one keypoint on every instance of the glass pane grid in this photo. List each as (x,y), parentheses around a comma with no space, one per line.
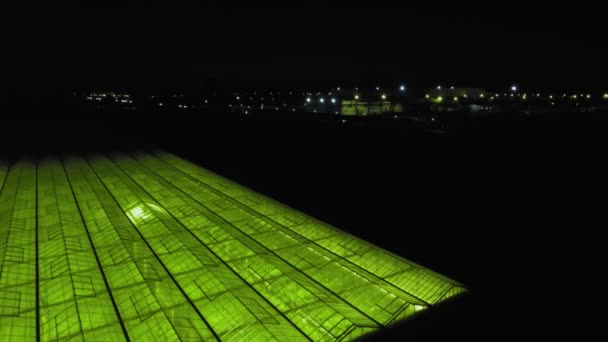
(150,246)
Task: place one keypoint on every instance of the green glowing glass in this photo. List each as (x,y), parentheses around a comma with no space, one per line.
(151,247)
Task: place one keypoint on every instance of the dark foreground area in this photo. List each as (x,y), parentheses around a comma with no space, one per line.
(508,206)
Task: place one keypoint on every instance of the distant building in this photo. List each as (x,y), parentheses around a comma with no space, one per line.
(354,107)
(473,93)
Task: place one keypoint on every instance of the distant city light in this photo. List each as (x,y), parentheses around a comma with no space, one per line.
(588,96)
(383,97)
(455,98)
(308,100)
(452,87)
(402,88)
(440,98)
(322,100)
(438,87)
(356,97)
(481,96)
(160,104)
(514,88)
(377,88)
(606,96)
(333,100)
(238,98)
(427,96)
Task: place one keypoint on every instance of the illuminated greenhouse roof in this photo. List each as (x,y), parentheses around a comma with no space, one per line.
(151,247)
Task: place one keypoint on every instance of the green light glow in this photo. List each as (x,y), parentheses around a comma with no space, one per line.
(438,99)
(153,247)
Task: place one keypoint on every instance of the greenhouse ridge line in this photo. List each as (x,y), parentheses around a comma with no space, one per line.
(264,247)
(157,257)
(145,247)
(219,218)
(103,274)
(210,250)
(245,207)
(37,266)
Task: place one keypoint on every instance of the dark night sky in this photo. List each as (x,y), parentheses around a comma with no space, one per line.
(309,45)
